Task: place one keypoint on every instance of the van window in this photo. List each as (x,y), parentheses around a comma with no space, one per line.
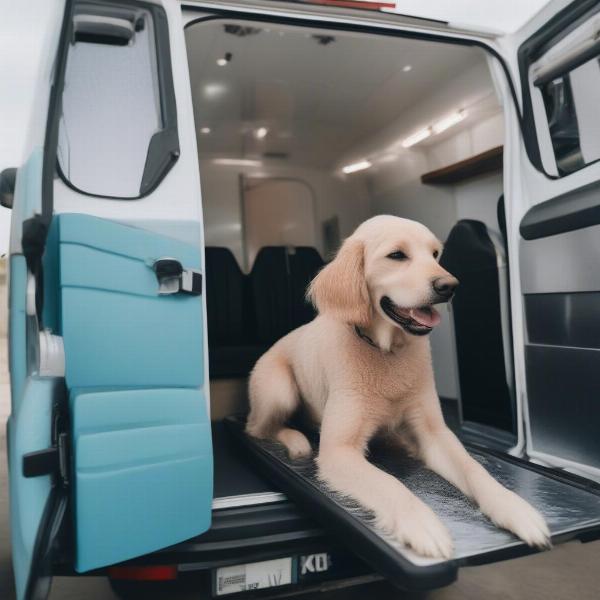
(111,111)
(571,102)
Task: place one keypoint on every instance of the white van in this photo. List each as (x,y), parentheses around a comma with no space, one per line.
(190,166)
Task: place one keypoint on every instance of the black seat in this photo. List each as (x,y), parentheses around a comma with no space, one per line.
(278,281)
(231,320)
(470,255)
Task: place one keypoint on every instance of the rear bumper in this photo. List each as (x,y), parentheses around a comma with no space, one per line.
(250,534)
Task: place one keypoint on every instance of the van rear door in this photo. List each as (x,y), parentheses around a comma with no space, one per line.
(554,213)
(110,439)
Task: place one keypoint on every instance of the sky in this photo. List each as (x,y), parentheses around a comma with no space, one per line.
(22,28)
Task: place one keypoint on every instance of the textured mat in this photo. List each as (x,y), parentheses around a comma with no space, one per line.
(568,509)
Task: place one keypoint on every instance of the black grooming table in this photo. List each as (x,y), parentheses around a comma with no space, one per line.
(571,506)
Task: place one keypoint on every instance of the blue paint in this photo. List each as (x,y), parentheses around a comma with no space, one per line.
(28,430)
(117,330)
(143,471)
(134,367)
(17,328)
(29,425)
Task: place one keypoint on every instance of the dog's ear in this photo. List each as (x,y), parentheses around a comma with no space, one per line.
(340,289)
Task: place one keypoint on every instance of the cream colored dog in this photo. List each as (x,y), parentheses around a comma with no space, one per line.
(363,367)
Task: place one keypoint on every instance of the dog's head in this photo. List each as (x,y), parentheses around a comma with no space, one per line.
(388,266)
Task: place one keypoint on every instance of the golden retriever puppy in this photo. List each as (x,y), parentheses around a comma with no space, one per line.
(363,367)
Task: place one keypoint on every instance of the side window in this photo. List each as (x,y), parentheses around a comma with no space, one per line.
(571,102)
(560,74)
(117,132)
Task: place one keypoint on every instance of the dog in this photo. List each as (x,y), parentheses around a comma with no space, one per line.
(363,368)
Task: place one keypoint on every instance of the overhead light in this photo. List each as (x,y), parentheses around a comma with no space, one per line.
(238,162)
(406,68)
(417,137)
(225,60)
(449,121)
(214,90)
(357,166)
(260,133)
(205,130)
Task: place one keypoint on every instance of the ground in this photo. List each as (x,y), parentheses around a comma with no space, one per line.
(569,572)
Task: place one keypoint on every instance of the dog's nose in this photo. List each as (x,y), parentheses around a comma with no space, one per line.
(444,286)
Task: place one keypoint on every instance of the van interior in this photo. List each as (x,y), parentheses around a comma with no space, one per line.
(304,133)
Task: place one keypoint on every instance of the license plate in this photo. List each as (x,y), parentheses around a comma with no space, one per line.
(252,576)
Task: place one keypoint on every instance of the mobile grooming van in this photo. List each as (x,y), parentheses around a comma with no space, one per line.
(189,168)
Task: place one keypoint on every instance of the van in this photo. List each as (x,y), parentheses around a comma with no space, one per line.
(190,167)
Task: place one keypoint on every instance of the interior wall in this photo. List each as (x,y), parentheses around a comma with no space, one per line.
(478,199)
(396,188)
(346,199)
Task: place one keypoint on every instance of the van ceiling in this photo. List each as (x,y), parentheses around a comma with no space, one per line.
(318,93)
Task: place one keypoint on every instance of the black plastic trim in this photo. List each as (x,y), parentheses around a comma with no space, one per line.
(576,209)
(41,571)
(163,148)
(529,51)
(569,319)
(239,535)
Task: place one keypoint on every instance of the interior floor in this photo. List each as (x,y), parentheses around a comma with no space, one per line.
(233,474)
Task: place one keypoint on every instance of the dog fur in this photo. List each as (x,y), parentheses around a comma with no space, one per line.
(355,389)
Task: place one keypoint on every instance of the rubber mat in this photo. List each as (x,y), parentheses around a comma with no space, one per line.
(570,505)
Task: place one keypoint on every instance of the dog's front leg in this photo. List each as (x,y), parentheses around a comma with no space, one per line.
(345,432)
(443,453)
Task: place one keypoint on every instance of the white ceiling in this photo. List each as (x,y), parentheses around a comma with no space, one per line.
(316,100)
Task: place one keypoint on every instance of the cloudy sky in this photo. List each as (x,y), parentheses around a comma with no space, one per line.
(23,26)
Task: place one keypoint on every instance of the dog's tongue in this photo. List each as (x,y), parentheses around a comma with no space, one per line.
(429,317)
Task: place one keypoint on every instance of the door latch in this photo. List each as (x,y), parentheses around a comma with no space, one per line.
(173,278)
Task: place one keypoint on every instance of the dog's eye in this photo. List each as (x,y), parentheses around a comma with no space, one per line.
(398,255)
(436,253)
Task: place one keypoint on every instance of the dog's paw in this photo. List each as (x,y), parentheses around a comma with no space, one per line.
(417,526)
(296,443)
(510,511)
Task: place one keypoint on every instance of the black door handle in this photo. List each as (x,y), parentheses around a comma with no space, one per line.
(173,278)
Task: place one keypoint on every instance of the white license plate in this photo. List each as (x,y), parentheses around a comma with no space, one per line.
(252,576)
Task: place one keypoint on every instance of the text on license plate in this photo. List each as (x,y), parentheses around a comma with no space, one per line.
(253,576)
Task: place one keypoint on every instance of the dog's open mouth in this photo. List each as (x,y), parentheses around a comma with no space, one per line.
(418,321)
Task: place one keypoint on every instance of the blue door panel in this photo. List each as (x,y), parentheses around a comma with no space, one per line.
(17,328)
(142,471)
(117,330)
(28,431)
(140,428)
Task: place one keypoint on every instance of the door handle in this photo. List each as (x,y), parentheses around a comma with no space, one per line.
(173,278)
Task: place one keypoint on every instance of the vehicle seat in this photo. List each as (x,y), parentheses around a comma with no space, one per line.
(471,255)
(278,280)
(230,316)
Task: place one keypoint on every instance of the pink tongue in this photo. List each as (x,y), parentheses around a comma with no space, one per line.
(429,318)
